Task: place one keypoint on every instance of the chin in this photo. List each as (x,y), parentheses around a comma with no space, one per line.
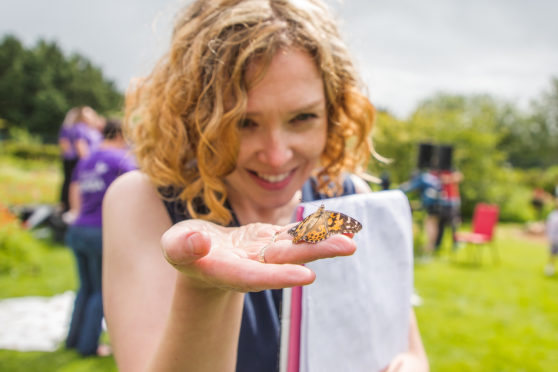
(277,201)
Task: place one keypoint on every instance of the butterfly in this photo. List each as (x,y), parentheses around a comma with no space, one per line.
(322,224)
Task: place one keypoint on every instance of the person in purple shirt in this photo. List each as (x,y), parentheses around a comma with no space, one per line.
(91,178)
(79,134)
(68,153)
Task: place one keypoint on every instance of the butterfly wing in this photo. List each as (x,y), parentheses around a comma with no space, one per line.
(307,226)
(322,224)
(316,230)
(339,223)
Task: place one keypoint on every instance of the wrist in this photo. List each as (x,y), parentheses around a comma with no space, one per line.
(199,287)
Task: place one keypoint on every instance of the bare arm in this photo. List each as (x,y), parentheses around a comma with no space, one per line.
(173,295)
(137,282)
(64,145)
(74,197)
(82,148)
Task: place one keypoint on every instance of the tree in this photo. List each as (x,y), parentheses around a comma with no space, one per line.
(40,84)
(531,138)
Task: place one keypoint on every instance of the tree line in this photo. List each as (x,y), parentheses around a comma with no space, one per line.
(39,84)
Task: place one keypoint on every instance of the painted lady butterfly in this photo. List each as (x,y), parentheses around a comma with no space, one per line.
(321,224)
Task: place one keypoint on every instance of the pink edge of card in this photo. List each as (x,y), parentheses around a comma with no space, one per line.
(296,317)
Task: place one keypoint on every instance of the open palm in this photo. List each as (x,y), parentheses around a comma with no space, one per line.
(216,256)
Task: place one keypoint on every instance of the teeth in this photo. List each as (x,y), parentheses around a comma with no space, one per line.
(274,177)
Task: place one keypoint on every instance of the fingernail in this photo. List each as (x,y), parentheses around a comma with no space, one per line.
(193,243)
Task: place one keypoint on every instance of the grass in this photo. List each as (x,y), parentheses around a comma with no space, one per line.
(490,317)
(29,181)
(32,267)
(58,361)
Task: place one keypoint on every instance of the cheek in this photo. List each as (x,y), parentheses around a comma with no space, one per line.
(245,150)
(313,143)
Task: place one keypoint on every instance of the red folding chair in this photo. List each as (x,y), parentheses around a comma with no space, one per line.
(485,218)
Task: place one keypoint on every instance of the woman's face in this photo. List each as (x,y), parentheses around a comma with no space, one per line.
(284,133)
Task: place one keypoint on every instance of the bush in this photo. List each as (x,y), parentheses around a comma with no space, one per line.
(23,145)
(15,247)
(33,267)
(31,151)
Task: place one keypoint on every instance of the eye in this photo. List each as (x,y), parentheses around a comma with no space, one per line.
(304,117)
(247,124)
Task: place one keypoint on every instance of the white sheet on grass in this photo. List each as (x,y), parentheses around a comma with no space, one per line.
(35,323)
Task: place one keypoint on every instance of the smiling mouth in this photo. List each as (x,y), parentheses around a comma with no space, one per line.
(272,178)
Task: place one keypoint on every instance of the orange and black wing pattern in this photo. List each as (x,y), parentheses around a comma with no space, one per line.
(321,224)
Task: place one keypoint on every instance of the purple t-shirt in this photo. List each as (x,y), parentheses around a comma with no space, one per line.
(91,135)
(67,133)
(78,131)
(94,175)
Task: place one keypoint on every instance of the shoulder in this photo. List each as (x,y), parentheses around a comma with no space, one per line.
(133,184)
(361,186)
(133,194)
(133,214)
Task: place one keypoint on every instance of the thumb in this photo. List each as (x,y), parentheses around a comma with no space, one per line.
(183,248)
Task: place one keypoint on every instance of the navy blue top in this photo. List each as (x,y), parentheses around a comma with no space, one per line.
(260,330)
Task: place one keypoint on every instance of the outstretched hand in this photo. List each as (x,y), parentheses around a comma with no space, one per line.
(231,258)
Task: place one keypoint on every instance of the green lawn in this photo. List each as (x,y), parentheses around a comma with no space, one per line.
(490,317)
(59,361)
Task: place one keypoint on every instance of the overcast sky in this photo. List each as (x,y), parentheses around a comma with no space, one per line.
(406,50)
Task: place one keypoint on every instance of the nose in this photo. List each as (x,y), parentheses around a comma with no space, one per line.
(276,149)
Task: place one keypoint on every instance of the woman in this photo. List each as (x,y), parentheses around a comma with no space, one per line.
(79,134)
(254,100)
(68,154)
(90,181)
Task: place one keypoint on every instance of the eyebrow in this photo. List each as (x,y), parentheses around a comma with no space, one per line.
(311,106)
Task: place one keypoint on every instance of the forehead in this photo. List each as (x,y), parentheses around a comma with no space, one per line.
(291,80)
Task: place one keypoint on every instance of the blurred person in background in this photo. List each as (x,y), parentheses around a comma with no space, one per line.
(79,134)
(552,234)
(91,178)
(68,153)
(450,198)
(427,184)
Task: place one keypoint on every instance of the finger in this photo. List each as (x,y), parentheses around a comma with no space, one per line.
(181,248)
(248,275)
(284,251)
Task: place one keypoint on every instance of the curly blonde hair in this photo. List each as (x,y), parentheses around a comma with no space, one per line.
(183,118)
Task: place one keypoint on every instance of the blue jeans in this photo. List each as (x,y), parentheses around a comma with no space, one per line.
(87,317)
